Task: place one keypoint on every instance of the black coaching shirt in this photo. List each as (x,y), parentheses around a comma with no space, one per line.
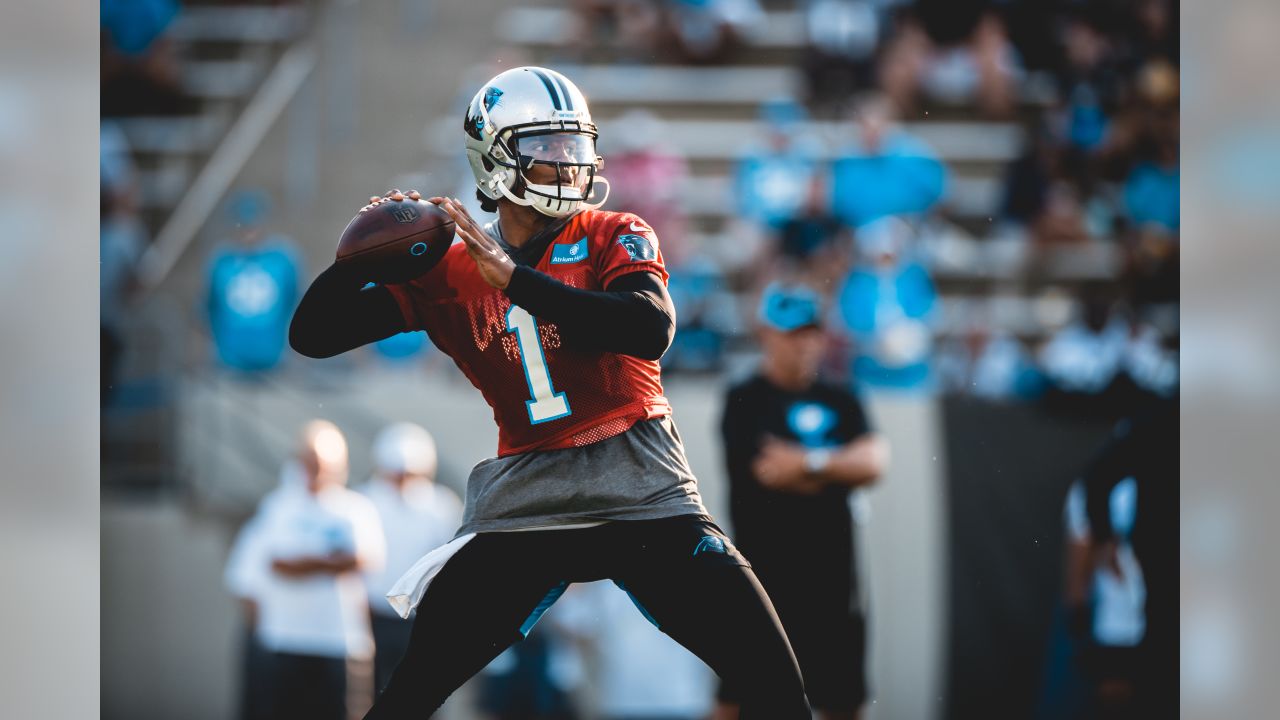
(797,543)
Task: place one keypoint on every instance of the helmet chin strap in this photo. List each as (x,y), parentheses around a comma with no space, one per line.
(499,179)
(574,204)
(587,204)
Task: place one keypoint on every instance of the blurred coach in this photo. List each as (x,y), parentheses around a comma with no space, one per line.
(300,561)
(795,448)
(418,515)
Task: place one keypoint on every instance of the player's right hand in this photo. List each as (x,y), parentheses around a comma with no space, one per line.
(495,266)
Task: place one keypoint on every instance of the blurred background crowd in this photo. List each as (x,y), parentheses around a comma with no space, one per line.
(984,194)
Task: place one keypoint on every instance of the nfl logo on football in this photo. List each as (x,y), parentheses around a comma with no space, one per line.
(403,212)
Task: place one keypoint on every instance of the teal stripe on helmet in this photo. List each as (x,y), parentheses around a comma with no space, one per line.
(564,90)
(551,88)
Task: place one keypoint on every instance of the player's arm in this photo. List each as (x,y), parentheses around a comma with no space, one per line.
(338,313)
(634,315)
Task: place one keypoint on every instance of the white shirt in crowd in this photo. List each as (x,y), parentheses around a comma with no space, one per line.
(1078,359)
(1119,619)
(414,522)
(642,672)
(324,615)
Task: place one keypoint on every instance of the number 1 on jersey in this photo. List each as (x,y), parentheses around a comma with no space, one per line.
(547,404)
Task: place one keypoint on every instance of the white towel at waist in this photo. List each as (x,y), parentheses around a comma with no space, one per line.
(405,595)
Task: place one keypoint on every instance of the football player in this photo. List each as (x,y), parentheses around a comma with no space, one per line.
(558,313)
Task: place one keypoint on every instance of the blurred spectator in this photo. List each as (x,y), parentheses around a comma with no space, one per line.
(708,315)
(1151,358)
(1055,194)
(641,673)
(1151,31)
(839,57)
(681,31)
(957,52)
(139,66)
(1004,370)
(1062,218)
(1115,601)
(245,576)
(771,182)
(1148,151)
(1090,663)
(1151,191)
(795,447)
(1089,80)
(301,562)
(631,29)
(522,683)
(1142,448)
(814,241)
(989,363)
(418,515)
(133,26)
(885,170)
(121,240)
(1102,362)
(1027,179)
(650,178)
(1085,357)
(402,347)
(709,31)
(252,289)
(887,303)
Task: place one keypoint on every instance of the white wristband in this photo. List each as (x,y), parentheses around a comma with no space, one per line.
(815,461)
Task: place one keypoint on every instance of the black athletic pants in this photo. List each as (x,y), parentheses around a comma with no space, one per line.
(682,572)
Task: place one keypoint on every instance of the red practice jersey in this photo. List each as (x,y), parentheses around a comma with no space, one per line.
(544,395)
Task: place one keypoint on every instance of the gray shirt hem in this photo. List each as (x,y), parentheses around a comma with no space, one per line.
(641,474)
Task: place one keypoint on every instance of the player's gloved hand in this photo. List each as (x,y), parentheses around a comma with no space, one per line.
(495,266)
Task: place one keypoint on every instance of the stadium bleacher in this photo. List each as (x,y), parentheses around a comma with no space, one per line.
(710,112)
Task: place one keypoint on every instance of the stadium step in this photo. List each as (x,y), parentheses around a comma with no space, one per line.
(660,86)
(239,25)
(192,135)
(223,79)
(777,39)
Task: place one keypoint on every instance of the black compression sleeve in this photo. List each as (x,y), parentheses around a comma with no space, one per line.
(338,314)
(634,315)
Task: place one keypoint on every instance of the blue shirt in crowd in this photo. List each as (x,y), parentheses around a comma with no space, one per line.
(888,313)
(252,294)
(903,177)
(1151,196)
(771,187)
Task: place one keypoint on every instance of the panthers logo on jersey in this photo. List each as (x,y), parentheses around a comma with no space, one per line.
(639,247)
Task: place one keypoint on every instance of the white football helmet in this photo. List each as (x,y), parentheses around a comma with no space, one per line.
(531,116)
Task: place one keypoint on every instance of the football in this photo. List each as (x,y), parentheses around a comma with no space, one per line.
(395,241)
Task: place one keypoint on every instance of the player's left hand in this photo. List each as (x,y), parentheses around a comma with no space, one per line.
(781,466)
(491,260)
